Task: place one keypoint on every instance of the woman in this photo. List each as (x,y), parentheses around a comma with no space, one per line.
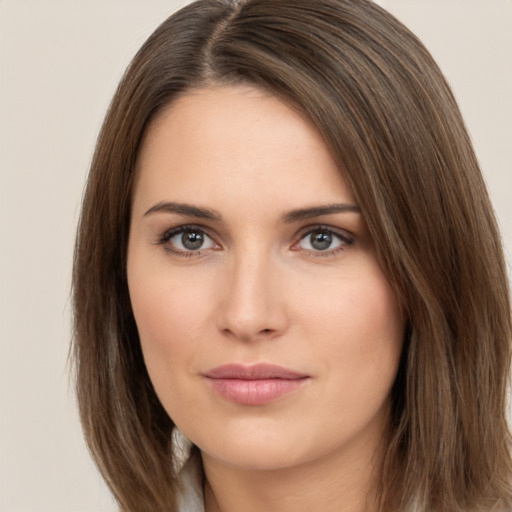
(287,260)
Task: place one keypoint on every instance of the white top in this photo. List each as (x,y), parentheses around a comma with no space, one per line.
(190,495)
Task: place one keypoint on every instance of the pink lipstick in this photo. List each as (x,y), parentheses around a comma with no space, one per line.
(256,384)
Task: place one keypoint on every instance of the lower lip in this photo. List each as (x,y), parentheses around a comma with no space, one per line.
(255,392)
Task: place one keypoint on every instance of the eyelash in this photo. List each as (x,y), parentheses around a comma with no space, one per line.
(345,240)
(164,239)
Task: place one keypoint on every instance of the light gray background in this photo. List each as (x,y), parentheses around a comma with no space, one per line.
(59,64)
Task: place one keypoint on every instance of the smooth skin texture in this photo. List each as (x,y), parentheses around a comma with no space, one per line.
(261,275)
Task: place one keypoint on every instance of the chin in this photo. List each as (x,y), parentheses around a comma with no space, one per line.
(255,456)
(258,445)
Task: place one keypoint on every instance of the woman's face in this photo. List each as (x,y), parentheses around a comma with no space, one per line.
(270,333)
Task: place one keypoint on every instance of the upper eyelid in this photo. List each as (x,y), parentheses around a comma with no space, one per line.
(180,229)
(344,233)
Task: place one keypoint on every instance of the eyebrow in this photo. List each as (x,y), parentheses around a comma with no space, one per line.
(318,211)
(288,218)
(185,209)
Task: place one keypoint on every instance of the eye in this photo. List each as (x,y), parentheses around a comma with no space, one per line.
(323,240)
(187,239)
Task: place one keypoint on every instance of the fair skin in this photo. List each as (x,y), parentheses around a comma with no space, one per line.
(273,264)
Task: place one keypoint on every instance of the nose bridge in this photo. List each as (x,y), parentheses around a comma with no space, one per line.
(252,304)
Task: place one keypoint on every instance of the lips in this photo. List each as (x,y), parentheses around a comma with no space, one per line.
(255,384)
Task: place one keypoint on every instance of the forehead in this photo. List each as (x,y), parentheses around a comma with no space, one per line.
(232,141)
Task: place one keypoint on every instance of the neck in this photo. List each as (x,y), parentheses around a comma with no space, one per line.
(344,481)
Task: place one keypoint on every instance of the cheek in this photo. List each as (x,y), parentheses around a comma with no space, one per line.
(171,312)
(352,301)
(359,326)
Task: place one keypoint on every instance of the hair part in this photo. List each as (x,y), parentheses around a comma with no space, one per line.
(391,122)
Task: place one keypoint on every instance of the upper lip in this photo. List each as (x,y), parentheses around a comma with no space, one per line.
(258,371)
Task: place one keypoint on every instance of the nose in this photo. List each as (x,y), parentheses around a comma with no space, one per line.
(253,305)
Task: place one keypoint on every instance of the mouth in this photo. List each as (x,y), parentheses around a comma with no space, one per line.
(257,384)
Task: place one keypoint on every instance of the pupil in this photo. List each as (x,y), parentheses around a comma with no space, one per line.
(321,240)
(192,240)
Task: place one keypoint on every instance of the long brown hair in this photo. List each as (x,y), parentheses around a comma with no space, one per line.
(390,119)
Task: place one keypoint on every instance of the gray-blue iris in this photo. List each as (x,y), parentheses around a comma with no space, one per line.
(321,240)
(192,240)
